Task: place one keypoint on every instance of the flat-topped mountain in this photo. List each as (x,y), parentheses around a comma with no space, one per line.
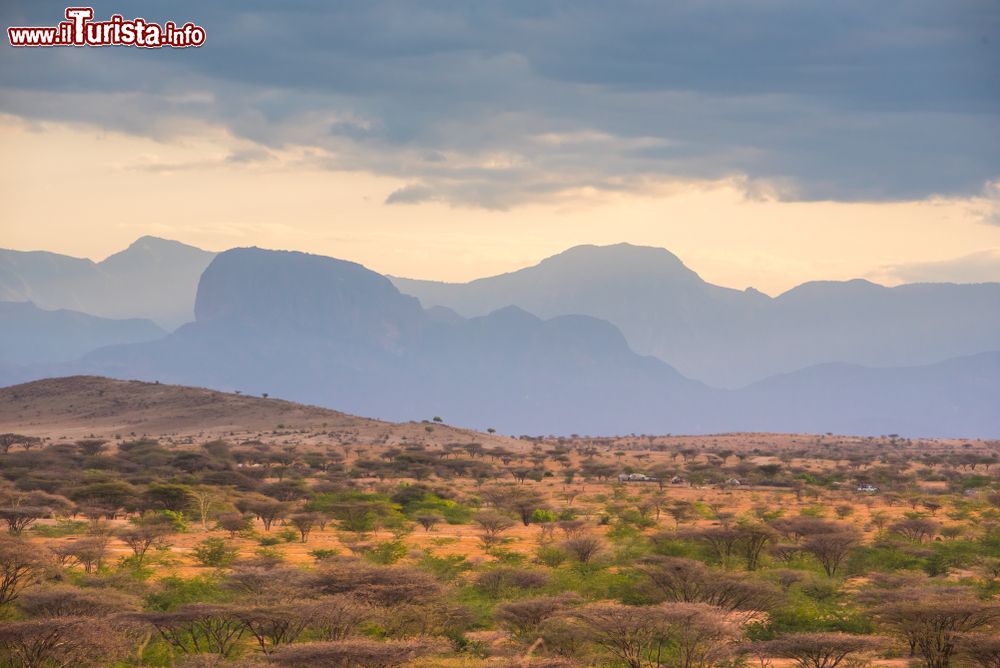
(295,292)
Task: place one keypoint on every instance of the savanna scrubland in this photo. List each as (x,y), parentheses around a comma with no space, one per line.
(150,525)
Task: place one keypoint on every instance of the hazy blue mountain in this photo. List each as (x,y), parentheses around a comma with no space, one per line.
(329,332)
(30,335)
(727,337)
(153,278)
(957,397)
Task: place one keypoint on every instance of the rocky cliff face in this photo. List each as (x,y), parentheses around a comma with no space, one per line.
(309,295)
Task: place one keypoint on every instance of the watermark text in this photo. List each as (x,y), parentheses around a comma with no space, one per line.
(80,29)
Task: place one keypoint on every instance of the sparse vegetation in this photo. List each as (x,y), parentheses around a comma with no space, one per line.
(325,546)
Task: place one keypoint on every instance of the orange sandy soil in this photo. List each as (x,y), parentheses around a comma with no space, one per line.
(67,409)
(446,540)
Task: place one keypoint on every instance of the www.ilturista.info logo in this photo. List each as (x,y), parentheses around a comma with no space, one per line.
(79,29)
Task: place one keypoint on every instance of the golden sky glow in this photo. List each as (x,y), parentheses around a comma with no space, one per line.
(85,192)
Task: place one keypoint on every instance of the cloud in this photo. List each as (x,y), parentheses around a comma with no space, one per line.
(981,267)
(849,101)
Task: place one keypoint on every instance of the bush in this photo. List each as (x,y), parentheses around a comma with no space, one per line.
(446,568)
(214,552)
(288,535)
(176,591)
(550,556)
(61,528)
(386,552)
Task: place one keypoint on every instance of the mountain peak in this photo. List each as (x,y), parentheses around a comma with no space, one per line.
(620,252)
(158,249)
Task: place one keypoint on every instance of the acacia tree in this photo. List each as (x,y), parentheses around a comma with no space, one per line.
(337,617)
(273,626)
(936,623)
(523,618)
(8,440)
(360,653)
(20,518)
(267,511)
(305,523)
(819,650)
(584,548)
(916,529)
(753,538)
(428,520)
(89,552)
(141,537)
(491,525)
(524,502)
(62,642)
(61,600)
(682,580)
(982,650)
(692,635)
(198,628)
(203,500)
(831,549)
(233,523)
(21,564)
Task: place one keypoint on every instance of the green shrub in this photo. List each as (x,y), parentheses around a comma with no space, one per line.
(507,557)
(214,552)
(446,568)
(323,554)
(386,552)
(61,528)
(175,591)
(551,556)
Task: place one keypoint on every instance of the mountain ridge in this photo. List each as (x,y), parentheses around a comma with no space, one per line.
(731,338)
(153,279)
(365,348)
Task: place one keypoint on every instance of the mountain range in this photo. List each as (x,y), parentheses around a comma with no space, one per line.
(154,279)
(331,332)
(729,338)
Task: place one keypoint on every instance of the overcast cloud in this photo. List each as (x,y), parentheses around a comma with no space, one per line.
(498,104)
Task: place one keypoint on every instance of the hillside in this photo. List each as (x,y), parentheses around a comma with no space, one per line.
(79,406)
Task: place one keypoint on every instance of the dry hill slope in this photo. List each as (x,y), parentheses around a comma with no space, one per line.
(81,405)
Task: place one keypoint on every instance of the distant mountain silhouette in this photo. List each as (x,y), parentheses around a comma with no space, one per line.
(727,337)
(30,335)
(957,397)
(153,278)
(310,328)
(330,332)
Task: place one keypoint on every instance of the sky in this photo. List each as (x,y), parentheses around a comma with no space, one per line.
(765,142)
